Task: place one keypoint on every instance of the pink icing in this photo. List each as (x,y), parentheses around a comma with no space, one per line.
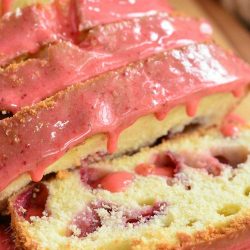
(116,182)
(230,125)
(35,138)
(26,30)
(164,164)
(94,12)
(105,47)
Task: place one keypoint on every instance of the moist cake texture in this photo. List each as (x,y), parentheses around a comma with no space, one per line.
(191,192)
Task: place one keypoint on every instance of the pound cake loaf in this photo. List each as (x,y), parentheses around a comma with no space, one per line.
(119,112)
(189,192)
(125,80)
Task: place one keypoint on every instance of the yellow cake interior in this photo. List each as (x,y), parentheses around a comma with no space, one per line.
(211,202)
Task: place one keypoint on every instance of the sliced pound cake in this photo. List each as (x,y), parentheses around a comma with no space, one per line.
(121,85)
(189,192)
(119,111)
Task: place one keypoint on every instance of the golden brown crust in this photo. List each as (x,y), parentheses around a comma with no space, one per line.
(232,231)
(220,238)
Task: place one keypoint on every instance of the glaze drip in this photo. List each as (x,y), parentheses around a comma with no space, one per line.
(36,137)
(230,125)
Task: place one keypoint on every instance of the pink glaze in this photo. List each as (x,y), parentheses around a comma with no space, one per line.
(231,124)
(116,182)
(94,12)
(105,47)
(35,138)
(6,6)
(26,30)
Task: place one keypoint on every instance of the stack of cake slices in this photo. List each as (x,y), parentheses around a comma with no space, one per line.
(117,129)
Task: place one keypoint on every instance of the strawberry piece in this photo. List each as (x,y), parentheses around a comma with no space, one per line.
(147,213)
(91,176)
(88,221)
(165,164)
(32,202)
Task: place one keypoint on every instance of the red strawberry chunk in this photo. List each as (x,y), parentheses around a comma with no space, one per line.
(113,182)
(145,214)
(32,202)
(166,165)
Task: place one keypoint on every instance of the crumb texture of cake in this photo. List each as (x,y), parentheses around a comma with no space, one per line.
(142,133)
(190,192)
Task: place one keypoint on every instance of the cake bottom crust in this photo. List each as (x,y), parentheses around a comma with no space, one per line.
(235,236)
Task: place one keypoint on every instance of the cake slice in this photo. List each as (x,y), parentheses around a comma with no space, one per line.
(189,192)
(25,31)
(119,112)
(104,48)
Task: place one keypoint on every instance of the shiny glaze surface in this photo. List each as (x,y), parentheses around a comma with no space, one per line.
(25,31)
(34,138)
(94,12)
(28,29)
(105,48)
(5,6)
